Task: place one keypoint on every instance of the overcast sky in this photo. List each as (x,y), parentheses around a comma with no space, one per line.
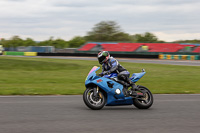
(39,19)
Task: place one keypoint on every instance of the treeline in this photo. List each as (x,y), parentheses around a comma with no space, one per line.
(195,41)
(16,41)
(105,31)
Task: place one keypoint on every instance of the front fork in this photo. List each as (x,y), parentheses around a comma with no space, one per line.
(96,93)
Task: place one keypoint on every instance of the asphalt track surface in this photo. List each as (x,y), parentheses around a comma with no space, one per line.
(68,114)
(152,61)
(133,60)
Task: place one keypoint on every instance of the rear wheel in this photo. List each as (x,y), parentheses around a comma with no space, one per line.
(146,100)
(93,102)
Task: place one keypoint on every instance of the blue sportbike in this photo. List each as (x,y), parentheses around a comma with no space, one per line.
(108,91)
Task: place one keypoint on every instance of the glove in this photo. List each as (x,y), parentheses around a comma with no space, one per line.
(106,73)
(100,74)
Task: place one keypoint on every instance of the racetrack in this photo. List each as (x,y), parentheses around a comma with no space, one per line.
(68,114)
(133,60)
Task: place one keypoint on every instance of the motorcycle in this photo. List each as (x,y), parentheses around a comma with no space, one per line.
(107,91)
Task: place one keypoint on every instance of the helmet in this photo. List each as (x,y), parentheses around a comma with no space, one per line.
(103,56)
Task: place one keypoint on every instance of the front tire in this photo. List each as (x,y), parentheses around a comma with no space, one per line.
(94,103)
(144,102)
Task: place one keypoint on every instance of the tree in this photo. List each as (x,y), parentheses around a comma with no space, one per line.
(3,42)
(147,37)
(107,31)
(60,43)
(121,37)
(16,41)
(29,42)
(76,42)
(46,42)
(187,41)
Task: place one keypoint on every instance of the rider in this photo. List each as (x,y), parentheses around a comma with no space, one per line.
(111,65)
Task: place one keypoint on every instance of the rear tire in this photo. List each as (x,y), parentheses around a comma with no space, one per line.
(144,102)
(95,104)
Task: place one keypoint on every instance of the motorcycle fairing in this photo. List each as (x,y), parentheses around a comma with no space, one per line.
(102,82)
(136,76)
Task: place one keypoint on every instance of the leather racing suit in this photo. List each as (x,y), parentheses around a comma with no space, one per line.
(113,66)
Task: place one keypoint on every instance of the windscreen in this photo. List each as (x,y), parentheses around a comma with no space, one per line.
(93,69)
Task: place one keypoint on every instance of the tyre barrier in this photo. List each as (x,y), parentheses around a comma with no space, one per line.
(20,53)
(179,57)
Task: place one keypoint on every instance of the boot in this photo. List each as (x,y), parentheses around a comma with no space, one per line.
(133,86)
(126,92)
(129,92)
(132,91)
(126,86)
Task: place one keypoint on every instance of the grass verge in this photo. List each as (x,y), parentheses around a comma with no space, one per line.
(43,76)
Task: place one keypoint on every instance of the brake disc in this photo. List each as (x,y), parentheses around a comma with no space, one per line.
(91,98)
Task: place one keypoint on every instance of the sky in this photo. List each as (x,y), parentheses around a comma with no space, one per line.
(169,20)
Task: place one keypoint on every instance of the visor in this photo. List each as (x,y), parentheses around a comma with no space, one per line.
(101,59)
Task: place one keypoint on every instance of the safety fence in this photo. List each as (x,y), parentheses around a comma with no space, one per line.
(179,57)
(20,53)
(121,55)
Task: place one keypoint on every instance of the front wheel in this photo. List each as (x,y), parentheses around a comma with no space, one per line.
(146,100)
(93,102)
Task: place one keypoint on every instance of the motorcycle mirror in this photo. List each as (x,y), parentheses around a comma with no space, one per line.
(143,70)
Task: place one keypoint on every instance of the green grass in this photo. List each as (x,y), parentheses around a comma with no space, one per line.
(42,76)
